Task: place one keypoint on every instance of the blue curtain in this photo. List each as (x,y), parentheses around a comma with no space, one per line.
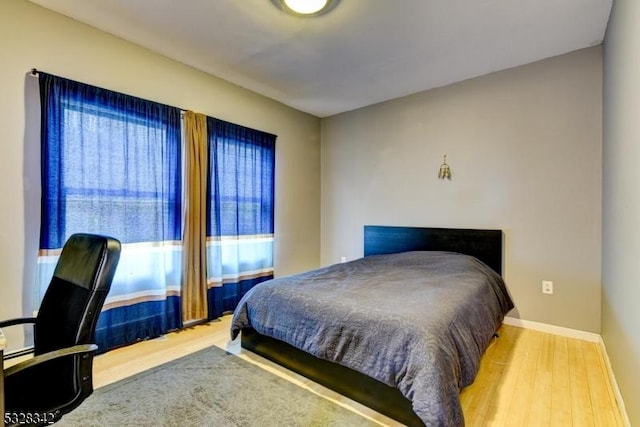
(111,164)
(240,212)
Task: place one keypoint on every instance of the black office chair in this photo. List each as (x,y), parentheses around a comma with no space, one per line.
(58,378)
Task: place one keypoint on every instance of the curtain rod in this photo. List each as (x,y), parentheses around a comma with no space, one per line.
(34,72)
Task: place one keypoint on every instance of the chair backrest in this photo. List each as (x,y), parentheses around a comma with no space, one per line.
(75,296)
(67,317)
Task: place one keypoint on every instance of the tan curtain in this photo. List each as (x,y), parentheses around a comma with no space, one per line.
(194,283)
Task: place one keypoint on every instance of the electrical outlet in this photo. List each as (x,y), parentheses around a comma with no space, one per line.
(343,259)
(547,287)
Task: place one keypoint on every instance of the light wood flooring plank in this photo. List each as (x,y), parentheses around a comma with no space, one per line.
(560,385)
(481,400)
(522,401)
(542,397)
(581,410)
(604,415)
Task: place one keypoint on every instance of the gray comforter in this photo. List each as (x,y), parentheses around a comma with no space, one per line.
(418,321)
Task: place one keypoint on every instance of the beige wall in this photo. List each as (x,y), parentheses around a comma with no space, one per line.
(524,146)
(31,36)
(621,201)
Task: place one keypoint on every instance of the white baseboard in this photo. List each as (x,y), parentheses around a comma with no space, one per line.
(581,335)
(552,329)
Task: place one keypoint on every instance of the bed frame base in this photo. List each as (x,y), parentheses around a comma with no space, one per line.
(352,384)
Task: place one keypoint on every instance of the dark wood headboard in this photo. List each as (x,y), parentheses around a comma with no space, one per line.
(486,245)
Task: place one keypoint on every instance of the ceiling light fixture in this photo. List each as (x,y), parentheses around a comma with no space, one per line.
(305,7)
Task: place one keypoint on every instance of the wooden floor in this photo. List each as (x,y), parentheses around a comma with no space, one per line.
(527,378)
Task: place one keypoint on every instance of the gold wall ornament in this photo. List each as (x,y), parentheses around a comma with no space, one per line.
(445,170)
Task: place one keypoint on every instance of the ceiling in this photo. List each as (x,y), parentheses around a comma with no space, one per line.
(360,53)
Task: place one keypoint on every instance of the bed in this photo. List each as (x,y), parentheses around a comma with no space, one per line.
(401,330)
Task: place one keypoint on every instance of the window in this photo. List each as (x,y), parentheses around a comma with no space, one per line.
(112,164)
(240,212)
